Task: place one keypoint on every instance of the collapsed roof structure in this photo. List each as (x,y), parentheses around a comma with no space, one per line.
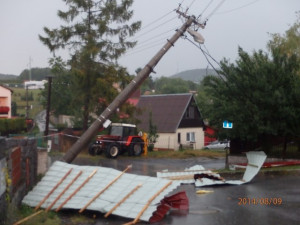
(201,177)
(67,186)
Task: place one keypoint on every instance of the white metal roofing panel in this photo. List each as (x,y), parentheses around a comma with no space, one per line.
(255,161)
(106,201)
(186,176)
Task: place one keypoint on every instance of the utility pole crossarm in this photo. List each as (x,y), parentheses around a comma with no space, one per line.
(194,21)
(86,137)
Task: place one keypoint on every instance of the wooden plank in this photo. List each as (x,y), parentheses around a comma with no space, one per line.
(77,189)
(192,171)
(65,189)
(53,189)
(28,217)
(123,200)
(181,177)
(104,189)
(149,202)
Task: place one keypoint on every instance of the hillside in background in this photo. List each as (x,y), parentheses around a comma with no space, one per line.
(7,77)
(195,75)
(34,74)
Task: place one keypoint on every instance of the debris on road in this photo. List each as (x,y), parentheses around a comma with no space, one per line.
(187,176)
(67,186)
(201,177)
(204,191)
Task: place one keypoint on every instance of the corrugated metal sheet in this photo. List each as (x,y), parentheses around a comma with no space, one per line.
(255,162)
(184,177)
(106,201)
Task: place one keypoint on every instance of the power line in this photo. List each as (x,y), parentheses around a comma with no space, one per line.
(158,26)
(205,55)
(235,9)
(154,37)
(215,9)
(153,22)
(205,8)
(138,47)
(146,48)
(191,4)
(142,46)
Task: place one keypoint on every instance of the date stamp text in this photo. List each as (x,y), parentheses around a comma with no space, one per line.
(259,201)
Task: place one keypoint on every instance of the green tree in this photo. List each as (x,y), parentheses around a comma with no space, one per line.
(152,134)
(14,108)
(96,34)
(36,74)
(62,89)
(258,94)
(287,43)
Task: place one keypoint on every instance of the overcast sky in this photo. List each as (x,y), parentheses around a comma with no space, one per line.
(244,23)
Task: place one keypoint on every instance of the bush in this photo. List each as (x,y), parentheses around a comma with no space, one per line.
(12,126)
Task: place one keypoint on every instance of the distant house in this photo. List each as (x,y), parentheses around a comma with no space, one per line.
(5,102)
(34,84)
(177,118)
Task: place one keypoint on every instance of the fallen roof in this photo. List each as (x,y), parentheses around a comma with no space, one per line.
(202,177)
(186,176)
(77,187)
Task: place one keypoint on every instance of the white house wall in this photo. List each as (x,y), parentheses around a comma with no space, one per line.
(169,140)
(199,136)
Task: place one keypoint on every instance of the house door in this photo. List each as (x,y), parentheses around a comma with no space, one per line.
(179,138)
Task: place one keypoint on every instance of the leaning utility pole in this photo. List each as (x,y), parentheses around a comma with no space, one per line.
(86,137)
(46,132)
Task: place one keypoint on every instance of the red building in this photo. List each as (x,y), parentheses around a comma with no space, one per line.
(209,135)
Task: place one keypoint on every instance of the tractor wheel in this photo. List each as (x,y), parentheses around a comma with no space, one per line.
(94,149)
(136,147)
(112,150)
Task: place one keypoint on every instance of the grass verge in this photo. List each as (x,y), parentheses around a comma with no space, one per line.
(45,218)
(156,154)
(186,154)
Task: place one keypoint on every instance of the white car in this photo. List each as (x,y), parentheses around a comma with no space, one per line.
(218,145)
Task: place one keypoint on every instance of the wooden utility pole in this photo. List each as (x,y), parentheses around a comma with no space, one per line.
(46,132)
(87,136)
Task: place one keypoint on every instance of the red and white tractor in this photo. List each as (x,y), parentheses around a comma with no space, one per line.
(122,138)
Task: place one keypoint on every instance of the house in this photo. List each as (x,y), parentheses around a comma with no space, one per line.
(5,102)
(177,118)
(34,84)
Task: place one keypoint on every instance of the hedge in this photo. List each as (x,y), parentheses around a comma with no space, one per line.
(12,126)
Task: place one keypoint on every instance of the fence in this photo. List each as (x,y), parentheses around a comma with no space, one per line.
(18,171)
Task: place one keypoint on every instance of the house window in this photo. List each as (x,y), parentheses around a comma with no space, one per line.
(190,136)
(190,112)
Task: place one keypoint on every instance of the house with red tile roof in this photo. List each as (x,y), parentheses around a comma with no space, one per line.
(177,118)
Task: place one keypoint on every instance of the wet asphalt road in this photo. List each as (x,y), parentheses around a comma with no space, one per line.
(271,198)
